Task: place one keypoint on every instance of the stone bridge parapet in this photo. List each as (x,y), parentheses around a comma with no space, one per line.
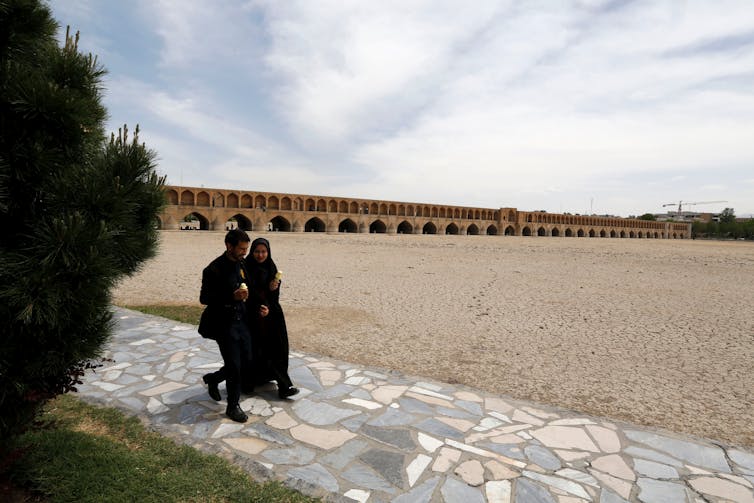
(218,209)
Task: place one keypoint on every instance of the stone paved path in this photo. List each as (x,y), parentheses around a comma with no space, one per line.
(361,434)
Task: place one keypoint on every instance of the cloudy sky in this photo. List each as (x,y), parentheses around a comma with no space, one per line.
(610,107)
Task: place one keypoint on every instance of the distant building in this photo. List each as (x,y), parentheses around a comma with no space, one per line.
(687,216)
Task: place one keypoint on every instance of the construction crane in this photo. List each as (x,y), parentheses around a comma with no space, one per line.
(681,204)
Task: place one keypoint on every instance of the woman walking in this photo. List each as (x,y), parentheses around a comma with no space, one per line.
(268,331)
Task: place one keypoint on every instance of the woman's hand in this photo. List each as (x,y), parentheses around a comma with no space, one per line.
(241,294)
(264,310)
(274,284)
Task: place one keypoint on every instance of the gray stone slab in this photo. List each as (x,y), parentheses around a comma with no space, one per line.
(389,464)
(191,413)
(365,477)
(654,470)
(177,375)
(393,417)
(298,455)
(510,450)
(126,379)
(705,456)
(317,475)
(355,423)
(133,403)
(336,391)
(439,428)
(640,452)
(656,491)
(362,393)
(419,494)
(470,407)
(185,395)
(397,438)
(414,406)
(456,413)
(321,413)
(304,378)
(204,429)
(745,459)
(342,456)
(527,491)
(607,496)
(270,434)
(455,490)
(542,457)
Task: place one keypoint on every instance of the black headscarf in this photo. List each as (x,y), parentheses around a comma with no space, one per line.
(262,273)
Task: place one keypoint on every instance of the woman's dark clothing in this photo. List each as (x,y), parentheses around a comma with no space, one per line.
(269,334)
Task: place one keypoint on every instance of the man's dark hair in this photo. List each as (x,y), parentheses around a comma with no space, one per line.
(235,236)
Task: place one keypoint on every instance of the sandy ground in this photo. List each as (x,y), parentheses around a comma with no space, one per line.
(655,332)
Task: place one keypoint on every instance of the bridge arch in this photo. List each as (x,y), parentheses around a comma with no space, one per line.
(603,233)
(555,232)
(171,196)
(451,229)
(377,227)
(280,224)
(472,230)
(541,232)
(347,225)
(405,228)
(591,233)
(273,203)
(194,217)
(526,231)
(285,204)
(315,224)
(187,198)
(491,230)
(429,228)
(580,233)
(243,222)
(568,232)
(510,231)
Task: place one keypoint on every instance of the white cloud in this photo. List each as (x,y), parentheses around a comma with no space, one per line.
(534,104)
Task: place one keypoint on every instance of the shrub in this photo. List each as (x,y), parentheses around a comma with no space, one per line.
(77,212)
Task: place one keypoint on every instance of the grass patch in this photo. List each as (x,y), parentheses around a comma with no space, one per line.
(185,314)
(78,452)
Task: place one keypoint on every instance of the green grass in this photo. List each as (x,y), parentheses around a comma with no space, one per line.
(185,314)
(78,452)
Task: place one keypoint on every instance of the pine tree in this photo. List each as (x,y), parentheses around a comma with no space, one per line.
(77,212)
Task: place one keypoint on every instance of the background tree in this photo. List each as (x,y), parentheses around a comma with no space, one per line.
(728,216)
(77,212)
(648,216)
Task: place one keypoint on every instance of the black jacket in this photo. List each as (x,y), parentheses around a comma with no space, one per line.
(219,280)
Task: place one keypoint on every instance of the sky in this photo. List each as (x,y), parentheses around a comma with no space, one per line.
(604,107)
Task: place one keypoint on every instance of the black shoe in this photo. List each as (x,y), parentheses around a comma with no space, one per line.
(214,393)
(236,414)
(287,392)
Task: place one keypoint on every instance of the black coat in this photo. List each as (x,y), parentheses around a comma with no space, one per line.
(219,280)
(269,334)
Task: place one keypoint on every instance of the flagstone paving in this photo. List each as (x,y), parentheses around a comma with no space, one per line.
(362,434)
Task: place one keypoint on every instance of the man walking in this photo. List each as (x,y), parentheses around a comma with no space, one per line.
(224,292)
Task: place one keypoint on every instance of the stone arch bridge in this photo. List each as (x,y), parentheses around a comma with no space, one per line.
(219,209)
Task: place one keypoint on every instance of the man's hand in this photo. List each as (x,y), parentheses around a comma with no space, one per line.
(264,310)
(241,294)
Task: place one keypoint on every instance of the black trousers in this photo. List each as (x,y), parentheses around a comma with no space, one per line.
(235,349)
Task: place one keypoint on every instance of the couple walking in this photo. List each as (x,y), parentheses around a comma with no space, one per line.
(244,316)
